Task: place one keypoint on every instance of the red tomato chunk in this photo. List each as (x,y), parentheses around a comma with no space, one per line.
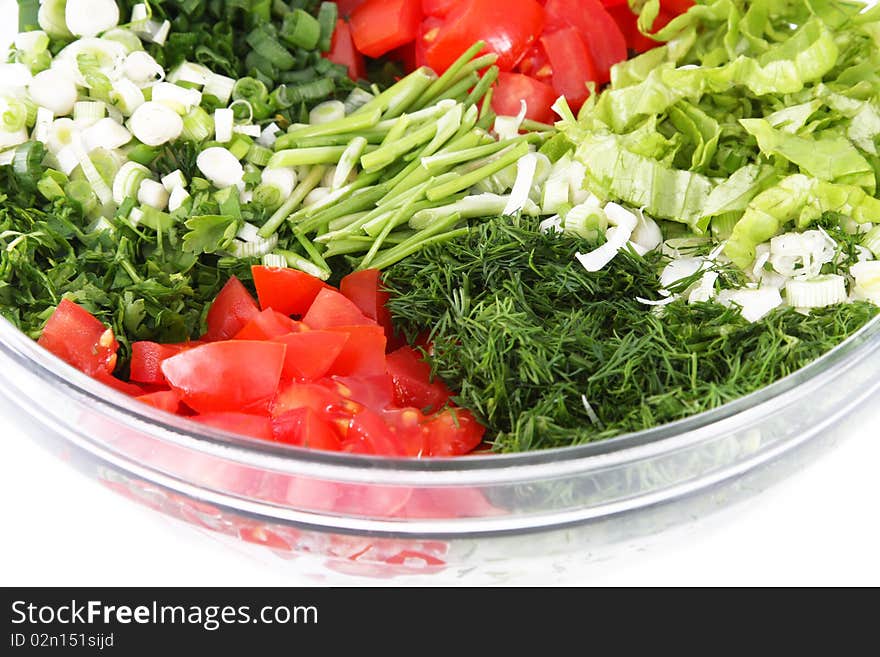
(80,339)
(378,26)
(326,382)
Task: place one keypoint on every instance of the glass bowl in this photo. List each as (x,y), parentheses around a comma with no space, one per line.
(484,515)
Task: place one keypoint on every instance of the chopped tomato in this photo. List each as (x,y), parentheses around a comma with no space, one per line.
(453,432)
(267,325)
(331,309)
(412,381)
(289,291)
(364,289)
(164,400)
(438,7)
(375,392)
(512,88)
(118,384)
(342,51)
(371,500)
(80,339)
(341,390)
(627,21)
(257,426)
(363,353)
(448,503)
(236,375)
(308,395)
(508,28)
(345,7)
(427,34)
(409,431)
(534,64)
(572,64)
(306,428)
(603,37)
(369,434)
(310,354)
(675,7)
(147,358)
(232,309)
(378,26)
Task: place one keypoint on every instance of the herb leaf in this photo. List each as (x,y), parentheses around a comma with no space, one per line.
(524,334)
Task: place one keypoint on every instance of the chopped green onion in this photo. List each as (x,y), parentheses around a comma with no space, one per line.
(462,182)
(240,145)
(347,161)
(126,38)
(27,163)
(327,15)
(302,190)
(871,241)
(817,292)
(357,99)
(156,219)
(259,155)
(88,18)
(51,186)
(173,179)
(257,96)
(177,198)
(142,69)
(274,260)
(105,133)
(482,88)
(445,160)
(128,180)
(301,30)
(126,96)
(54,90)
(264,43)
(155,124)
(441,84)
(197,125)
(81,193)
(307,156)
(459,90)
(254,249)
(88,112)
(28,12)
(327,112)
(99,185)
(143,154)
(153,194)
(389,153)
(224,120)
(285,96)
(190,73)
(220,87)
(51,19)
(410,87)
(220,166)
(417,242)
(352,123)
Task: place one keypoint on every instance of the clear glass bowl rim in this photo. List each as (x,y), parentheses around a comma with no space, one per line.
(478,469)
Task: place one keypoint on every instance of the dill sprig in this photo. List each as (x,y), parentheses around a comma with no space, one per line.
(525,335)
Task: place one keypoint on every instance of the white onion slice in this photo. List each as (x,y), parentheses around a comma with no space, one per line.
(155,124)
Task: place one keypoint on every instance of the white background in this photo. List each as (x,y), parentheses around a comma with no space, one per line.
(818,526)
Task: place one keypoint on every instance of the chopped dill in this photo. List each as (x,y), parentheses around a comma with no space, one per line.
(526,335)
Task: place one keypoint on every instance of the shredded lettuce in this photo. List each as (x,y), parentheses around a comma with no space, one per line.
(797,198)
(755,114)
